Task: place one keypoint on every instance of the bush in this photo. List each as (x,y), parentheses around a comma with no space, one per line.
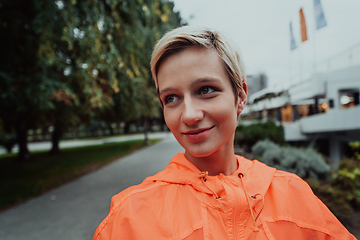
(334,198)
(342,193)
(348,179)
(306,163)
(247,136)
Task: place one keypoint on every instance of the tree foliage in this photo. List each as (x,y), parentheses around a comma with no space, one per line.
(24,93)
(67,62)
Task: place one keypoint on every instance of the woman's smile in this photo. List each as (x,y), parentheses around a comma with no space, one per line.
(198,134)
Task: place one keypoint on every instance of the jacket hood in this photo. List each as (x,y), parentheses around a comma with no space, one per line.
(257,176)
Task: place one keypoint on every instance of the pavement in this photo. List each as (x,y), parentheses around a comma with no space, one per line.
(74,210)
(46,145)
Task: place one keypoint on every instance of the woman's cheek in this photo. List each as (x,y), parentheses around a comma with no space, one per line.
(170,119)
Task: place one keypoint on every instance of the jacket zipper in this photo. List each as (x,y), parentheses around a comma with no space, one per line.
(236,213)
(235,223)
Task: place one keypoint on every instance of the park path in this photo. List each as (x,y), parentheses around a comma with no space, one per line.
(46,145)
(73,211)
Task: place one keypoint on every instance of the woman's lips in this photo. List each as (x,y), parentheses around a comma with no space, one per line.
(197,134)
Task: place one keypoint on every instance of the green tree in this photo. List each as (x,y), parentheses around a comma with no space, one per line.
(114,41)
(23,90)
(143,22)
(67,61)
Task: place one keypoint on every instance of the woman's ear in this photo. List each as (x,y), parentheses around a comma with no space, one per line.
(242,98)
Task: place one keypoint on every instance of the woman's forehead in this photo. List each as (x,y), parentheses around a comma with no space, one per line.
(189,52)
(191,66)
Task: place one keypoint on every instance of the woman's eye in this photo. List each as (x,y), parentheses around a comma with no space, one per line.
(206,90)
(170,99)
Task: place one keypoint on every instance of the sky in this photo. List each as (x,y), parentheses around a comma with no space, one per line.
(261,29)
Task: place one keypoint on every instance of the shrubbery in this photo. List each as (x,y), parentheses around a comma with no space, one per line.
(306,163)
(342,193)
(247,136)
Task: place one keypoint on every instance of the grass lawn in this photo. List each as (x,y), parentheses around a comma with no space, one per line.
(21,181)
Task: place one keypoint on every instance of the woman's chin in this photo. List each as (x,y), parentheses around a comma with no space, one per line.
(198,154)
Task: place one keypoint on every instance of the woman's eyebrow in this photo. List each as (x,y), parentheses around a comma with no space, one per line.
(195,82)
(205,80)
(166,90)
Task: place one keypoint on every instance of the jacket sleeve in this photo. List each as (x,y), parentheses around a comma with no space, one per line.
(338,231)
(296,208)
(334,226)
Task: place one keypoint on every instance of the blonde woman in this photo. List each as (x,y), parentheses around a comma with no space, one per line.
(208,192)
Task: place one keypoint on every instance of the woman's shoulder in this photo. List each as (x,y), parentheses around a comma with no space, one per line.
(148,209)
(291,181)
(277,176)
(127,207)
(142,190)
(288,178)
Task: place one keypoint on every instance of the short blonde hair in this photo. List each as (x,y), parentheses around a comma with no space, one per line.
(185,37)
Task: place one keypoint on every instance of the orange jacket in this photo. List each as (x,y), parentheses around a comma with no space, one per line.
(180,202)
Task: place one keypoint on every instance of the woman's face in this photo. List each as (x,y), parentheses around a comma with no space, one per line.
(199,104)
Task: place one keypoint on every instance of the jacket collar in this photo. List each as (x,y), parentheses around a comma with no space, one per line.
(257,176)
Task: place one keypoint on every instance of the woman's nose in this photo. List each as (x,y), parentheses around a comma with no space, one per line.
(192,113)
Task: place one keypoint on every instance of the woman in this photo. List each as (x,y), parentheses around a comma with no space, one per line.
(208,192)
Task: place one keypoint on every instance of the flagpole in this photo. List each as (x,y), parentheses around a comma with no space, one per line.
(292,48)
(300,65)
(290,72)
(314,70)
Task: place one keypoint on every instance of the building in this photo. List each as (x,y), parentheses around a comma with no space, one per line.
(256,83)
(324,106)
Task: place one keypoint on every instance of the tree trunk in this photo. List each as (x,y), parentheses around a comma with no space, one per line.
(138,125)
(127,128)
(44,132)
(111,130)
(55,138)
(146,126)
(151,124)
(75,134)
(21,137)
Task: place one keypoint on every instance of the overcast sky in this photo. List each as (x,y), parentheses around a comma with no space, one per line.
(261,30)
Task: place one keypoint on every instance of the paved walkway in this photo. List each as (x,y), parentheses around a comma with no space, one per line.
(74,210)
(46,145)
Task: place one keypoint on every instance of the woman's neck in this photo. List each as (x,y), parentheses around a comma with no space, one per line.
(221,161)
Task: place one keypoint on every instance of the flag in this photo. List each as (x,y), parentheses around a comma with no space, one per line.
(292,39)
(303,26)
(319,15)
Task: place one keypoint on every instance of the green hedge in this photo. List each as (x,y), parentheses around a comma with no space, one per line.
(247,136)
